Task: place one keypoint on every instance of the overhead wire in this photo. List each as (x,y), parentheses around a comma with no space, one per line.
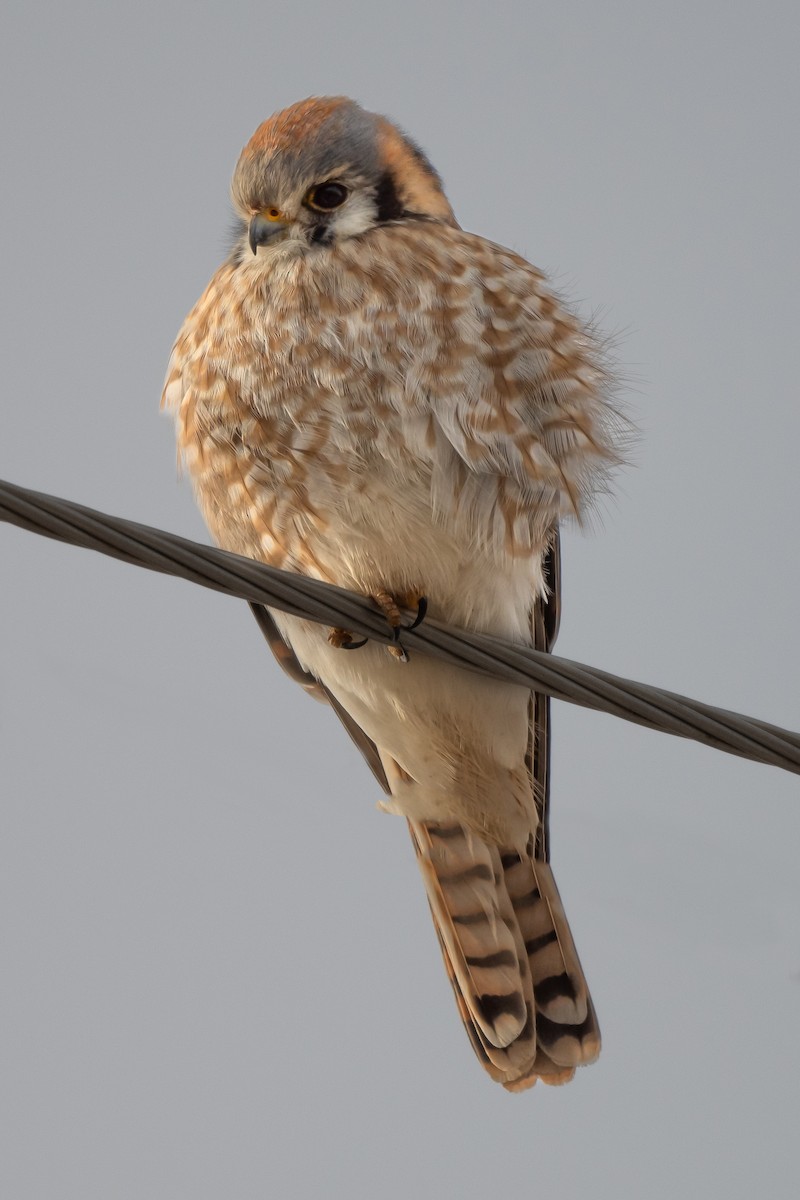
(302,596)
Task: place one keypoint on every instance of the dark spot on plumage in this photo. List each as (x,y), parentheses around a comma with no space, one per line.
(527,901)
(493,1007)
(549,1032)
(555,987)
(588,1025)
(509,860)
(500,958)
(478,871)
(447,831)
(534,945)
(478,918)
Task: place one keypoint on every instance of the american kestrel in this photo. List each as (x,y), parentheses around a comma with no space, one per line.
(371,396)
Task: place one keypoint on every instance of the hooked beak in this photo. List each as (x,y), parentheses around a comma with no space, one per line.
(267,227)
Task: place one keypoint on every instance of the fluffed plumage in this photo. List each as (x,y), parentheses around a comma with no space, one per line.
(367,394)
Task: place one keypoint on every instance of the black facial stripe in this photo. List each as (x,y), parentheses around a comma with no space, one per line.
(387,199)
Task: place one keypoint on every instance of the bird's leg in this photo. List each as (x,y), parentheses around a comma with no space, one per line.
(390,605)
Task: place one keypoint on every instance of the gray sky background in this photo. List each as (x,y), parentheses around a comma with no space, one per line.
(219,975)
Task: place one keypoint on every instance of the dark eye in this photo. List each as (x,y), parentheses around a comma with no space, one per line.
(326,196)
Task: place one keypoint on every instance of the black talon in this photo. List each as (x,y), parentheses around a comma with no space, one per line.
(398,648)
(354,645)
(422,608)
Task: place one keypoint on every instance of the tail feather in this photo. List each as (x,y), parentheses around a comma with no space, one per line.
(561,993)
(501,1063)
(473,914)
(510,956)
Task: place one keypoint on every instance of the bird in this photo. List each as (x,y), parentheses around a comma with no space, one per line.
(372,396)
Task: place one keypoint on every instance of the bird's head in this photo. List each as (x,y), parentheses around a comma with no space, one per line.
(325,170)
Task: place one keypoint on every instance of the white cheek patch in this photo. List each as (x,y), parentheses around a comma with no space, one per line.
(358,214)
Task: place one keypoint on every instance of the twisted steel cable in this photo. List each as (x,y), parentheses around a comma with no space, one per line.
(301,596)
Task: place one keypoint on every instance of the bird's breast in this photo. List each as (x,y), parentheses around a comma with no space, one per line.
(305,417)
